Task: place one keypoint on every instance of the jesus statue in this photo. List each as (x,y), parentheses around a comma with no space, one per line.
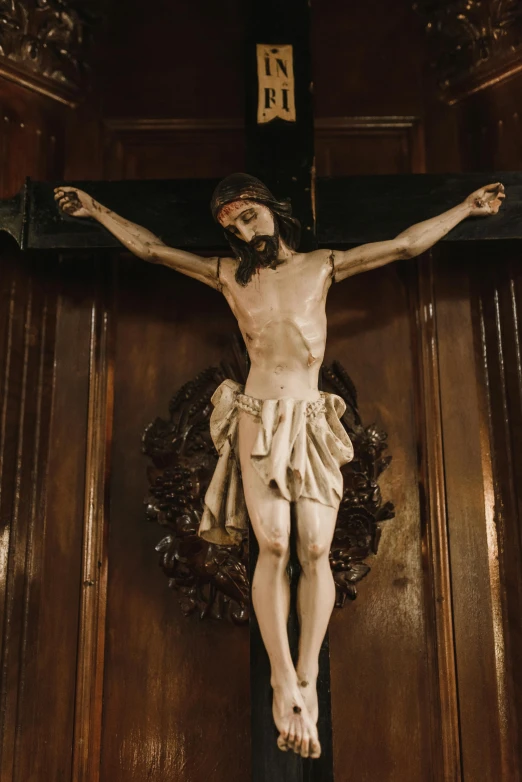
(280,440)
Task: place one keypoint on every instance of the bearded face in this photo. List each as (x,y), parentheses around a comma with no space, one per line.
(253,234)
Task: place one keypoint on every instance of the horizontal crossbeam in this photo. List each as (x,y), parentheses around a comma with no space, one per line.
(350,211)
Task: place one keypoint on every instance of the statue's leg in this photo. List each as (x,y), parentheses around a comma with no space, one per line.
(270,517)
(316,591)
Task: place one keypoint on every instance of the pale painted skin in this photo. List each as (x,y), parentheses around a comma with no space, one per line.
(281,314)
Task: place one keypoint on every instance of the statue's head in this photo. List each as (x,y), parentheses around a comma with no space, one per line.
(254,222)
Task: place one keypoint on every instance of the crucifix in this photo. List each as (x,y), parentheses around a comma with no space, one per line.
(279,439)
(277,294)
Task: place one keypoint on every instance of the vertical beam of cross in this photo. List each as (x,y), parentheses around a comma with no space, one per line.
(279,119)
(280,151)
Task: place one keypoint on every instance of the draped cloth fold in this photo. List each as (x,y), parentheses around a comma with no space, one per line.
(298,452)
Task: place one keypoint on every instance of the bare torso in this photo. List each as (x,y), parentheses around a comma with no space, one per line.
(281,315)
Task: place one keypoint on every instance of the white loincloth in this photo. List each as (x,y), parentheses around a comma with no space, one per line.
(298,452)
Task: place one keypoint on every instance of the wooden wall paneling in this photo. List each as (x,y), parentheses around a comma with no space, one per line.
(497,298)
(438,600)
(31,138)
(84,138)
(369,145)
(54,349)
(45,731)
(486,746)
(71,634)
(91,638)
(38,573)
(384,706)
(384,657)
(163,148)
(38,568)
(20,410)
(176,65)
(441,130)
(358,66)
(490,124)
(173,148)
(176,689)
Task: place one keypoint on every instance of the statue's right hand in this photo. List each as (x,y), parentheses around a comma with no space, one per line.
(74,202)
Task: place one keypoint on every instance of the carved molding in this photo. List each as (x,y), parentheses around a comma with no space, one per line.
(213,580)
(476,43)
(128,142)
(93,595)
(212,124)
(121,125)
(44,45)
(332,133)
(434,522)
(126,139)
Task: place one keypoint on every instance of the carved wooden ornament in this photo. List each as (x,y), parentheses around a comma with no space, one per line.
(47,39)
(475,42)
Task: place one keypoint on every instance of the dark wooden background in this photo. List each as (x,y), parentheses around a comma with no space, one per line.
(102,678)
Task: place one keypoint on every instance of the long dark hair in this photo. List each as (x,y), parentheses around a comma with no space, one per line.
(239,187)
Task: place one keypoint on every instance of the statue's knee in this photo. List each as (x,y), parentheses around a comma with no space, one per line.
(313,553)
(277,547)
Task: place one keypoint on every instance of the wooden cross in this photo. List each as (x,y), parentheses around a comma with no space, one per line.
(345,211)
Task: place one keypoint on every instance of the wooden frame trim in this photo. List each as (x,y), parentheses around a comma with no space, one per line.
(435,552)
(374,122)
(36,84)
(170,124)
(117,130)
(137,124)
(410,127)
(13,649)
(93,598)
(458,91)
(496,527)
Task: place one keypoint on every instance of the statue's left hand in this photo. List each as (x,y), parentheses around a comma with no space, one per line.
(74,202)
(486,201)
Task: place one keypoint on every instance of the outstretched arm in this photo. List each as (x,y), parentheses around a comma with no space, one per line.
(418,238)
(137,239)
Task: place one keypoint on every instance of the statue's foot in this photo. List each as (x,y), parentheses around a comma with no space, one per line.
(308,690)
(297,730)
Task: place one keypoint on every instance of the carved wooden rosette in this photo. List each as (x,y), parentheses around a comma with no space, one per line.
(474,42)
(49,41)
(211,579)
